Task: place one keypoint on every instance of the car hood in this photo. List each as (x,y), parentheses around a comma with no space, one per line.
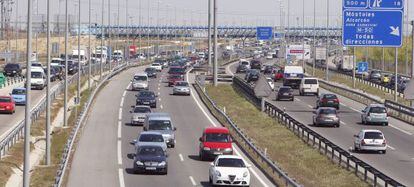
(145,98)
(137,115)
(165,132)
(181,87)
(19,97)
(215,145)
(225,171)
(150,158)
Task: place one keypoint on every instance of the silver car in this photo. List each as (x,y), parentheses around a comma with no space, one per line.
(139,113)
(151,138)
(326,116)
(162,123)
(375,114)
(370,140)
(181,88)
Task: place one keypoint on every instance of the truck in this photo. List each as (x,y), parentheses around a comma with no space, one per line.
(346,65)
(99,54)
(132,50)
(118,55)
(79,53)
(292,76)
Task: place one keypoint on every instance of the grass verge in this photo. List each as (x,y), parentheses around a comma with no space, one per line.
(302,162)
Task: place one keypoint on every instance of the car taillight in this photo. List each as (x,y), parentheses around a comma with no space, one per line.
(336,100)
(324,100)
(362,142)
(7,107)
(384,142)
(368,114)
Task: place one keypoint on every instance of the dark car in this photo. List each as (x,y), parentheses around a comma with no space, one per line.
(255,64)
(284,93)
(12,70)
(151,72)
(327,100)
(176,70)
(268,69)
(146,98)
(252,75)
(60,74)
(150,158)
(72,67)
(375,76)
(53,74)
(174,78)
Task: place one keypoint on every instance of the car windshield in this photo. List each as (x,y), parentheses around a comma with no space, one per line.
(5,100)
(176,70)
(327,111)
(330,96)
(230,162)
(151,151)
(217,137)
(36,65)
(311,81)
(160,125)
(149,70)
(151,138)
(140,78)
(284,89)
(19,92)
(182,84)
(142,110)
(12,66)
(36,75)
(378,110)
(146,94)
(373,135)
(245,63)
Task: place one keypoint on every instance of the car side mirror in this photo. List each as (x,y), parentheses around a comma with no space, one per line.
(175,128)
(211,163)
(133,142)
(200,139)
(356,136)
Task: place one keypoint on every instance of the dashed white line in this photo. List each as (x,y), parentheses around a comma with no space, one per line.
(310,106)
(392,148)
(161,107)
(252,170)
(343,123)
(120,114)
(192,180)
(121,177)
(123,95)
(296,99)
(159,93)
(181,157)
(119,153)
(159,99)
(404,131)
(158,88)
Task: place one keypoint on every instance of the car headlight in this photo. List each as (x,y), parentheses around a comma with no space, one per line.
(218,173)
(162,163)
(245,174)
(139,163)
(228,149)
(206,148)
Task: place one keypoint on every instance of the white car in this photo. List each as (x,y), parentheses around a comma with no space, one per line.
(309,86)
(229,170)
(139,82)
(157,66)
(269,57)
(370,140)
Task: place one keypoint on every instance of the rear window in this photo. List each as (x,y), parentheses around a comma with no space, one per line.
(18,92)
(12,66)
(330,96)
(373,135)
(142,110)
(378,110)
(327,111)
(245,63)
(311,81)
(36,75)
(151,138)
(284,89)
(140,78)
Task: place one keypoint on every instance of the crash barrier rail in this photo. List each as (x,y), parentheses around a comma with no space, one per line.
(62,166)
(245,142)
(396,110)
(312,138)
(16,133)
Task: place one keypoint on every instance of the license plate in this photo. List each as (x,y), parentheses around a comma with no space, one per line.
(150,168)
(218,153)
(146,103)
(328,119)
(285,94)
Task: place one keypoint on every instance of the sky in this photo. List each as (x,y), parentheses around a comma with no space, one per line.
(194,12)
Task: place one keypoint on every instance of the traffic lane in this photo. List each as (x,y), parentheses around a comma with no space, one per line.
(8,122)
(178,171)
(95,158)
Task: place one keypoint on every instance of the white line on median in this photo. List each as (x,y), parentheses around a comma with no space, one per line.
(119,152)
(119,129)
(296,99)
(192,181)
(181,157)
(404,131)
(120,114)
(310,106)
(343,123)
(121,177)
(122,102)
(392,148)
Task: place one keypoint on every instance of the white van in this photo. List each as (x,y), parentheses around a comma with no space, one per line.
(139,82)
(309,86)
(82,54)
(38,78)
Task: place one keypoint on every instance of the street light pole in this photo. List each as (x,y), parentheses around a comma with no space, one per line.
(78,94)
(327,41)
(109,36)
(27,121)
(148,33)
(65,102)
(209,34)
(314,38)
(102,38)
(215,71)
(303,34)
(89,46)
(48,87)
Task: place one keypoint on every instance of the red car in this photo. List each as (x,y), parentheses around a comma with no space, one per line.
(7,104)
(174,78)
(278,75)
(215,141)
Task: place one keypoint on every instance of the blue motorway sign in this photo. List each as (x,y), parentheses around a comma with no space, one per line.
(372,23)
(264,33)
(362,67)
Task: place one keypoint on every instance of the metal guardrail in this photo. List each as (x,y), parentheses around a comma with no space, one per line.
(12,80)
(312,138)
(246,141)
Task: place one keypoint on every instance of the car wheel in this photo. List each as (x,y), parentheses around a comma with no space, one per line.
(356,149)
(172,145)
(385,124)
(201,155)
(362,120)
(337,125)
(277,99)
(385,151)
(210,180)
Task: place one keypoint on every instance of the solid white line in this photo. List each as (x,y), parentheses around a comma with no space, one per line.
(192,181)
(119,152)
(119,129)
(297,99)
(121,177)
(123,95)
(310,106)
(120,114)
(404,131)
(392,148)
(161,106)
(181,157)
(343,123)
(122,102)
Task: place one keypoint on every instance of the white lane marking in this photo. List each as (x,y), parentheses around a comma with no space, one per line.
(120,114)
(159,93)
(181,157)
(192,181)
(161,106)
(119,153)
(160,81)
(159,84)
(355,110)
(310,106)
(404,131)
(212,122)
(296,99)
(119,129)
(158,88)
(343,123)
(392,148)
(123,95)
(344,105)
(159,99)
(121,177)
(122,102)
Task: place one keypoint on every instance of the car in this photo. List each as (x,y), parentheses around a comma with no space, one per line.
(375,76)
(215,141)
(150,138)
(38,79)
(285,93)
(229,170)
(151,72)
(256,64)
(147,98)
(327,100)
(59,71)
(176,70)
(326,116)
(252,75)
(12,70)
(309,86)
(161,122)
(268,69)
(72,67)
(53,74)
(138,114)
(385,78)
(181,88)
(19,96)
(157,66)
(150,158)
(375,114)
(243,66)
(140,82)
(7,105)
(278,75)
(174,78)
(269,56)
(370,140)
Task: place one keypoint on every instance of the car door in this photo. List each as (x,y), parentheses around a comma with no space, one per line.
(364,113)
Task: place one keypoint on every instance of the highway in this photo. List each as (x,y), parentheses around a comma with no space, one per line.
(397,163)
(103,154)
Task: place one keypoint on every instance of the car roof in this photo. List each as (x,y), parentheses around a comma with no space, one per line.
(371,130)
(376,105)
(216,130)
(229,156)
(150,133)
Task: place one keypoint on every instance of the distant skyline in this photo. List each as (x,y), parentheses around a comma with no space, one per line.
(230,12)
